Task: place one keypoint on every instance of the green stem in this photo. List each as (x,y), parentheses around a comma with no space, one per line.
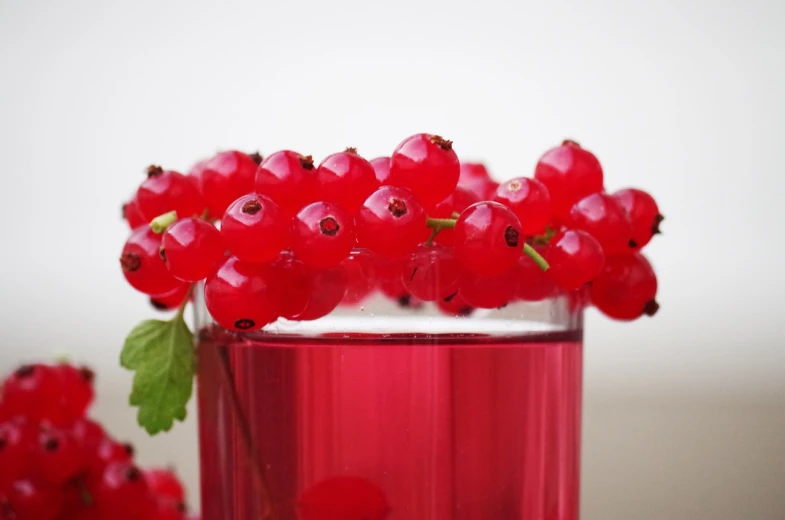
(161,222)
(181,310)
(441,222)
(435,232)
(534,255)
(455,215)
(84,494)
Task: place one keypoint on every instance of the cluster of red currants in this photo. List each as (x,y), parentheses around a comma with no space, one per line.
(283,237)
(57,464)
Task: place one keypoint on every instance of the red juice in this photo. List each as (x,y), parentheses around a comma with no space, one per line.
(456,427)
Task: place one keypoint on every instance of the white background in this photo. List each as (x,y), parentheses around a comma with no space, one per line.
(684,412)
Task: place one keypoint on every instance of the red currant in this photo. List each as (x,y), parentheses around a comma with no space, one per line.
(163,483)
(626,288)
(575,259)
(489,291)
(226,177)
(432,272)
(427,165)
(343,497)
(457,202)
(604,219)
(87,434)
(535,285)
(76,390)
(108,451)
(346,179)
(172,299)
(14,442)
(32,391)
(326,289)
(488,238)
(31,500)
(391,222)
(142,264)
(132,215)
(254,229)
(455,305)
(291,280)
(167,190)
(57,457)
(644,214)
(241,296)
(359,277)
(191,248)
(322,235)
(570,173)
(529,200)
(381,167)
(475,179)
(123,494)
(289,179)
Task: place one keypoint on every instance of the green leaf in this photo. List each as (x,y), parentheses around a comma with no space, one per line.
(161,353)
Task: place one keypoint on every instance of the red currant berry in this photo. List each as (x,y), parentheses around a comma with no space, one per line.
(626,288)
(167,190)
(142,264)
(31,500)
(322,235)
(455,305)
(123,494)
(57,457)
(14,442)
(381,167)
(457,202)
(389,277)
(132,215)
(108,451)
(432,272)
(241,296)
(289,179)
(475,179)
(254,229)
(191,248)
(359,277)
(488,238)
(570,174)
(344,497)
(87,434)
(644,214)
(32,391)
(391,222)
(168,510)
(326,289)
(490,291)
(226,177)
(534,283)
(170,300)
(291,280)
(604,219)
(427,165)
(346,179)
(575,259)
(76,391)
(163,483)
(529,200)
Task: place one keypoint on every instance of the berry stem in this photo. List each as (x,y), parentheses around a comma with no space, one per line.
(441,223)
(161,222)
(455,215)
(84,493)
(435,232)
(537,257)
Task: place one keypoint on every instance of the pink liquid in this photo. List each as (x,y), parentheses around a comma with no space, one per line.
(448,429)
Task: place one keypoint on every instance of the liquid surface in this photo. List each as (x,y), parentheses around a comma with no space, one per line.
(464,428)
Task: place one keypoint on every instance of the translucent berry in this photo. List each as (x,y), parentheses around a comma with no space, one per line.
(254,229)
(225,177)
(76,391)
(167,190)
(289,179)
(56,456)
(455,305)
(123,494)
(432,272)
(359,277)
(529,200)
(322,235)
(142,264)
(575,259)
(489,291)
(381,167)
(191,248)
(326,289)
(14,441)
(171,299)
(534,283)
(603,218)
(108,451)
(643,212)
(291,280)
(391,222)
(457,202)
(33,500)
(570,173)
(488,238)
(475,179)
(164,483)
(346,179)
(626,288)
(132,214)
(426,165)
(87,434)
(345,497)
(241,296)
(32,391)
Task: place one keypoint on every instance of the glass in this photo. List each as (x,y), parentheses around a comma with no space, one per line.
(376,412)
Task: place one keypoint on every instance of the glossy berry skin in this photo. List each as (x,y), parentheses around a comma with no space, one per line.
(241,296)
(56,457)
(534,283)
(291,279)
(644,214)
(108,451)
(489,291)
(381,167)
(76,391)
(132,214)
(166,190)
(289,179)
(171,299)
(142,265)
(346,179)
(345,498)
(455,305)
(326,289)
(391,222)
(426,165)
(626,288)
(191,248)
(432,272)
(529,200)
(359,277)
(322,235)
(14,441)
(570,173)
(123,494)
(459,200)
(575,259)
(603,218)
(32,391)
(164,483)
(254,229)
(32,500)
(224,178)
(488,238)
(476,179)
